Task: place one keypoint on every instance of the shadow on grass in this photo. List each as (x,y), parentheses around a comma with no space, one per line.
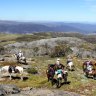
(63,83)
(90,77)
(16,78)
(23,63)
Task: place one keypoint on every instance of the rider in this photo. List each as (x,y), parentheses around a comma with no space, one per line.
(59,73)
(89,66)
(20,54)
(58,64)
(59,68)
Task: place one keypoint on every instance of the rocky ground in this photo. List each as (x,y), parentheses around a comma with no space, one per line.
(12,90)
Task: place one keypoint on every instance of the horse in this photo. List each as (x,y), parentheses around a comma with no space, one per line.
(50,72)
(70,66)
(12,69)
(21,59)
(87,66)
(89,69)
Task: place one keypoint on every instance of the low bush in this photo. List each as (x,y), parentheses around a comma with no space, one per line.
(32,71)
(60,51)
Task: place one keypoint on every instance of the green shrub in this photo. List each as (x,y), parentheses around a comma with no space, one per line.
(32,71)
(60,51)
(2,50)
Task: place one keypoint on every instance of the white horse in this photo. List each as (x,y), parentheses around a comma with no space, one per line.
(70,66)
(11,69)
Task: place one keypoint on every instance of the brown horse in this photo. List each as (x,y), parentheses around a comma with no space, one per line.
(50,72)
(89,69)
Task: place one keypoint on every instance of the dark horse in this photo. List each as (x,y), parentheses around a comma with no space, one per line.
(50,72)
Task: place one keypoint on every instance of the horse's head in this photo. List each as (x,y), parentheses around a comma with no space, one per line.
(11,69)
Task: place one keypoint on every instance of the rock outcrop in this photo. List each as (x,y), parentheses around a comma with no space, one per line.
(8,89)
(43,46)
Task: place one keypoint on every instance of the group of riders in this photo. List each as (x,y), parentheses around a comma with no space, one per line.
(58,70)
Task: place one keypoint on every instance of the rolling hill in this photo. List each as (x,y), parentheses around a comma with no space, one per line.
(30,27)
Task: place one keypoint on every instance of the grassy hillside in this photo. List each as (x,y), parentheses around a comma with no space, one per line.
(8,38)
(12,38)
(78,82)
(43,35)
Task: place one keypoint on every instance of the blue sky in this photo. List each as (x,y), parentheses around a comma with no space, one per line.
(48,10)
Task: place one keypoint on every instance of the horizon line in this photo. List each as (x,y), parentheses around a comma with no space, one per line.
(47,21)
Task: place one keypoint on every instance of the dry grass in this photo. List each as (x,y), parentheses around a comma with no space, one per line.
(8,38)
(7,63)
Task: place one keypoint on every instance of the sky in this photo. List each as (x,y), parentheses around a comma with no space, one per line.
(48,10)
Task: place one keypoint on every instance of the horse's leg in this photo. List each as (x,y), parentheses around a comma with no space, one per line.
(67,67)
(65,77)
(10,76)
(52,80)
(21,74)
(73,68)
(17,59)
(25,61)
(48,77)
(22,78)
(70,67)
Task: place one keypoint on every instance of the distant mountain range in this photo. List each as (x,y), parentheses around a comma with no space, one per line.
(30,27)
